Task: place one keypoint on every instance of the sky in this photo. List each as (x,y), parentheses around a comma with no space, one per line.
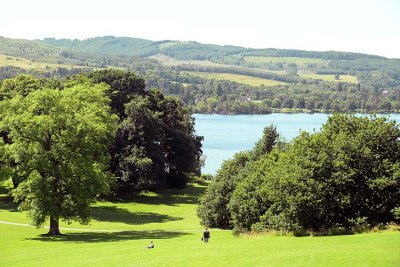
(366,26)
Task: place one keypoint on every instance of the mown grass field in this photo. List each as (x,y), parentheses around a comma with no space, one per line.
(331,78)
(27,64)
(297,60)
(169,220)
(249,80)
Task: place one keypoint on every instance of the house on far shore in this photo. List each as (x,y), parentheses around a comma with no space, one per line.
(385,93)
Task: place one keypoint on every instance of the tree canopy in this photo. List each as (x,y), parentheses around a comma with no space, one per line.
(58,150)
(63,142)
(346,175)
(155,145)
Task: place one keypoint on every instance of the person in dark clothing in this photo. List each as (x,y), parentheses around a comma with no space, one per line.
(206,236)
(151,245)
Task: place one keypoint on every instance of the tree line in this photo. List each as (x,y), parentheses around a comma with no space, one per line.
(344,178)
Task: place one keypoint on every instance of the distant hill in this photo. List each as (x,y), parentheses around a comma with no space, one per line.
(108,45)
(189,50)
(27,48)
(226,79)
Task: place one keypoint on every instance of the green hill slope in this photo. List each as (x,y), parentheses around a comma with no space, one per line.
(26,48)
(109,45)
(188,49)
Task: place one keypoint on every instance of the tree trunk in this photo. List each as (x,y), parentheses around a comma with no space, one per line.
(54,228)
(15,182)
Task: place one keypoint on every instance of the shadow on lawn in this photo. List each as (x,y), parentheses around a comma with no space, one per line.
(6,203)
(173,197)
(4,190)
(109,236)
(115,214)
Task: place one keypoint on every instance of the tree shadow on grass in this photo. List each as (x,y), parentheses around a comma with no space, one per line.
(6,203)
(172,197)
(4,190)
(116,214)
(93,237)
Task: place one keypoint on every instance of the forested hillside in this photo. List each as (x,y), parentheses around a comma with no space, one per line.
(222,79)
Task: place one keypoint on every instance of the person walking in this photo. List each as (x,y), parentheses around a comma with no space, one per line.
(206,236)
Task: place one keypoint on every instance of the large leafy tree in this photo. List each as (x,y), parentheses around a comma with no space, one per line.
(138,161)
(155,144)
(215,205)
(20,85)
(346,175)
(213,209)
(124,86)
(59,143)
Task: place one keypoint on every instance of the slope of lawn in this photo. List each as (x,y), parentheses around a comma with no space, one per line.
(249,80)
(169,219)
(172,209)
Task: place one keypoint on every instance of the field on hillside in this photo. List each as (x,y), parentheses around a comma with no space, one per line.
(27,64)
(249,80)
(171,61)
(169,219)
(331,78)
(297,60)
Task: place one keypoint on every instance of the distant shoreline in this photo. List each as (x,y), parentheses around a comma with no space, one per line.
(301,112)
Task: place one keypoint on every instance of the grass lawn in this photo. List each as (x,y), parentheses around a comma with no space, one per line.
(169,219)
(331,78)
(249,80)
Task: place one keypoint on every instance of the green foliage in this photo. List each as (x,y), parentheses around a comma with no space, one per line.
(21,85)
(267,142)
(247,203)
(346,175)
(58,149)
(347,171)
(155,144)
(396,213)
(213,205)
(124,86)
(139,151)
